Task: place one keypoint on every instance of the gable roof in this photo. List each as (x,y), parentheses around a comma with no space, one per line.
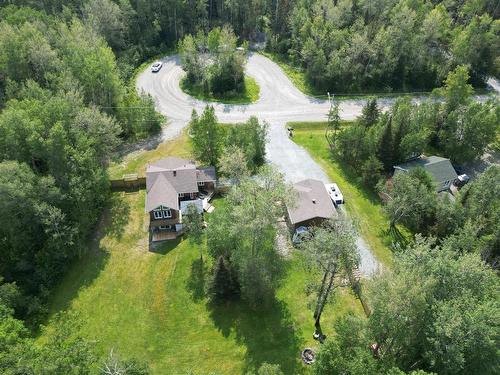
(161,193)
(172,162)
(313,202)
(439,168)
(167,178)
(206,174)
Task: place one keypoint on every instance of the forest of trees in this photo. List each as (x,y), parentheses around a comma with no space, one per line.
(386,45)
(212,61)
(458,128)
(435,311)
(65,108)
(343,45)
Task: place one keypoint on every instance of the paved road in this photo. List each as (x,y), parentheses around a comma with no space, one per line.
(279,99)
(279,102)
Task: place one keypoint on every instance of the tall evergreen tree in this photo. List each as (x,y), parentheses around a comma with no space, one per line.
(398,153)
(223,285)
(370,113)
(333,124)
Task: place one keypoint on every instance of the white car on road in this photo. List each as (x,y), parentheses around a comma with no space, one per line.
(335,193)
(156,66)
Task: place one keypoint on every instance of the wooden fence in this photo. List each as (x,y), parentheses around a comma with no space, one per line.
(128,181)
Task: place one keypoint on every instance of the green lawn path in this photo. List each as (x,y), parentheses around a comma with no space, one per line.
(151,305)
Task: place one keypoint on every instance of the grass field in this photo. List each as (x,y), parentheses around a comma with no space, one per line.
(249,95)
(151,305)
(363,205)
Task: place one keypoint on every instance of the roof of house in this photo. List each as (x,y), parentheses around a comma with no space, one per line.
(313,202)
(161,193)
(172,162)
(166,178)
(206,174)
(439,168)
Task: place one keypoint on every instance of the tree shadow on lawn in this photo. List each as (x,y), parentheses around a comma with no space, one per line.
(164,247)
(82,271)
(395,239)
(268,334)
(119,213)
(196,282)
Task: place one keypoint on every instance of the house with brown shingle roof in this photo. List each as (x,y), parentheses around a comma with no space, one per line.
(172,184)
(313,205)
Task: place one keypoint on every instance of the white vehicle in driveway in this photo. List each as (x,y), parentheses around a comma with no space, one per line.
(156,66)
(335,193)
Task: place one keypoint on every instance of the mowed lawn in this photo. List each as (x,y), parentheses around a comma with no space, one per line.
(362,204)
(151,305)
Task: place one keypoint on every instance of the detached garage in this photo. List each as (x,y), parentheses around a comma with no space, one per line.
(314,205)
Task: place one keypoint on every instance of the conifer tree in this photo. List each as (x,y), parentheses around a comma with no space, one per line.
(370,113)
(223,285)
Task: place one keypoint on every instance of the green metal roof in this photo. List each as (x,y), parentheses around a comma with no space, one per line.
(439,168)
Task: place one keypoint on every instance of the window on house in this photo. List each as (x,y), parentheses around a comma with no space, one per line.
(162,213)
(193,195)
(167,214)
(181,195)
(201,183)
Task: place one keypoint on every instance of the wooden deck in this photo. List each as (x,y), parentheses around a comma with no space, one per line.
(165,235)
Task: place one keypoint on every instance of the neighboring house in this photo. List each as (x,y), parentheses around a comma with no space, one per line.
(440,169)
(313,205)
(171,185)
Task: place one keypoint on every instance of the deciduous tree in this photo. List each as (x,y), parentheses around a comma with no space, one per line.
(332,250)
(206,136)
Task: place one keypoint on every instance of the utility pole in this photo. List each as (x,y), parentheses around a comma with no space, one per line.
(333,122)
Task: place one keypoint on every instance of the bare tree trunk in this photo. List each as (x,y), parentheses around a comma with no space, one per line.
(320,294)
(317,323)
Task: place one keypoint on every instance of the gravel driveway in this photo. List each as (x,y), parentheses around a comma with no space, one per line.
(279,102)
